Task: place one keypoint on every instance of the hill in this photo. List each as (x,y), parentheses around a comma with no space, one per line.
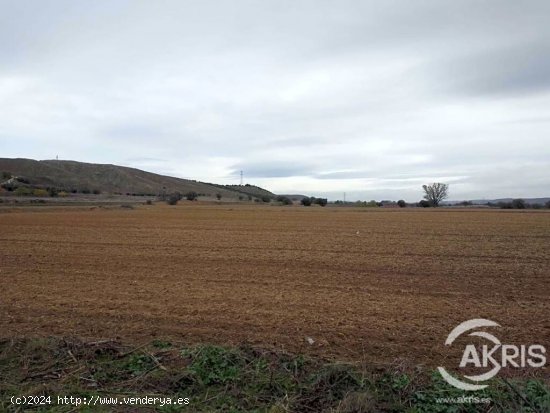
(251,190)
(87,177)
(538,201)
(531,201)
(295,197)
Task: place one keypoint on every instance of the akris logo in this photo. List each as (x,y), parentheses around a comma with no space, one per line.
(494,355)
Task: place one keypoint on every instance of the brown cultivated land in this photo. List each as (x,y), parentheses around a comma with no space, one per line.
(363,284)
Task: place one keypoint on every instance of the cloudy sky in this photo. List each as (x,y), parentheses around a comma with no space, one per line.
(371,98)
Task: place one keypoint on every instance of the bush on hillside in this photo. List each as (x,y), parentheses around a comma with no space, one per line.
(321,201)
(40,192)
(173,199)
(191,196)
(22,191)
(284,200)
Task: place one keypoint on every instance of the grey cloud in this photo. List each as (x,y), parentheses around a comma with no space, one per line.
(518,69)
(321,97)
(143,160)
(531,120)
(271,169)
(345,175)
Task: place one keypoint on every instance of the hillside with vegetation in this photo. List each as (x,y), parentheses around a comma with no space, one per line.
(252,190)
(80,177)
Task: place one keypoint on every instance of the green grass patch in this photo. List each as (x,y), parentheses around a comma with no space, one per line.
(219,379)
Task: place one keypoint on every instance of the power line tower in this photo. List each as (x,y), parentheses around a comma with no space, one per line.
(241,178)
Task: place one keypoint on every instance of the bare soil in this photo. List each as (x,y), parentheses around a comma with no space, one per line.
(362,284)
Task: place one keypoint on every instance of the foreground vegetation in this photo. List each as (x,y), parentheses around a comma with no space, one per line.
(235,380)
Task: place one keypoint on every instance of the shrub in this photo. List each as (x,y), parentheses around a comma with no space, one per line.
(219,196)
(518,204)
(265,198)
(85,191)
(62,194)
(515,204)
(401,203)
(250,199)
(548,204)
(173,199)
(424,204)
(5,175)
(321,201)
(96,191)
(284,200)
(306,201)
(191,196)
(22,191)
(148,202)
(40,192)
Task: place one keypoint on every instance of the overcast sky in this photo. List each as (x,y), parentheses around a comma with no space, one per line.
(372,98)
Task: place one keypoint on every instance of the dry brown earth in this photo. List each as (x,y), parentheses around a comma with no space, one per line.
(364,284)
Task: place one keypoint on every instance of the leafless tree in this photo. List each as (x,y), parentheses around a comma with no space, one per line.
(435,193)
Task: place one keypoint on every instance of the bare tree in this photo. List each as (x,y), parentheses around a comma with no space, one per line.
(435,193)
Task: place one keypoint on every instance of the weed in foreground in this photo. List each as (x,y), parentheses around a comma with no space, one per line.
(220,379)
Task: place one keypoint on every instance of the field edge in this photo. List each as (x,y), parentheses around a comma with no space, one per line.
(243,379)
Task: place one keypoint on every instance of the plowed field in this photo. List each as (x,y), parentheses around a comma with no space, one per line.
(362,284)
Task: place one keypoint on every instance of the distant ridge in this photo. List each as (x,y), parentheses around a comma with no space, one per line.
(540,201)
(295,197)
(73,175)
(533,201)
